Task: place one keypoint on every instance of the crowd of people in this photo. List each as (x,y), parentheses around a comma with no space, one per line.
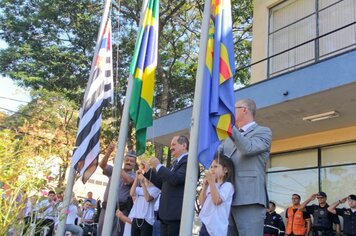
(233,198)
(42,218)
(316,219)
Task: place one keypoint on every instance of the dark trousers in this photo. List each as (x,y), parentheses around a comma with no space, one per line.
(323,233)
(89,228)
(140,227)
(203,231)
(121,224)
(170,227)
(42,223)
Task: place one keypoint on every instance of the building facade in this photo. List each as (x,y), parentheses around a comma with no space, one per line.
(305,90)
(308,45)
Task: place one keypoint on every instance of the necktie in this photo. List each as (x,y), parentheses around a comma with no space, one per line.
(174,164)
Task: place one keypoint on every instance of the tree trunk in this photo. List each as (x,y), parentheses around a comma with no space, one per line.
(62,174)
(159,151)
(164,103)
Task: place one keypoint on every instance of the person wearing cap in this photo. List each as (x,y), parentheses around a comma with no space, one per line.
(298,222)
(349,214)
(249,148)
(322,219)
(123,201)
(92,200)
(171,181)
(274,225)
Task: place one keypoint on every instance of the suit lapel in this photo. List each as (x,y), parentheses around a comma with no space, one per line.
(250,129)
(180,162)
(232,147)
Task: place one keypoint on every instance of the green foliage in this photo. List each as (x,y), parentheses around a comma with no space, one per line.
(242,11)
(49,124)
(51,46)
(50,43)
(22,174)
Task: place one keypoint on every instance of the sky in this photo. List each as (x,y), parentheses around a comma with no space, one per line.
(9,90)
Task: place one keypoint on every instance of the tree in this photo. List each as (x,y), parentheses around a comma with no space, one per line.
(21,177)
(51,47)
(242,11)
(50,43)
(49,124)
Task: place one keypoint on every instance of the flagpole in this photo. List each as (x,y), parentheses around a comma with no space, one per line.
(66,201)
(115,177)
(191,179)
(71,175)
(116,173)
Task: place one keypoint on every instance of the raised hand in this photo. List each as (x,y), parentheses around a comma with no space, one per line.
(313,196)
(144,166)
(210,177)
(154,162)
(343,200)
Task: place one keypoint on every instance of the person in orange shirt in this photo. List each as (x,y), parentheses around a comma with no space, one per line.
(298,222)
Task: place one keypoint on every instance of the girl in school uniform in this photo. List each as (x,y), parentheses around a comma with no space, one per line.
(216,196)
(141,216)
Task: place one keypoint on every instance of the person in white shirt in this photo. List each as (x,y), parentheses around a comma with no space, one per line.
(141,216)
(216,196)
(73,212)
(47,212)
(29,214)
(92,200)
(87,219)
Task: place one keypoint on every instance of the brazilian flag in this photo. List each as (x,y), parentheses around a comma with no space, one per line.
(142,68)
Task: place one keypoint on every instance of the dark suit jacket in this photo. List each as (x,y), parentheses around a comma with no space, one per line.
(171,183)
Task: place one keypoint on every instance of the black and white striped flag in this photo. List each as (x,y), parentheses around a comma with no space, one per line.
(98,94)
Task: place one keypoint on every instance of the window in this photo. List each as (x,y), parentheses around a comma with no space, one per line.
(332,16)
(338,181)
(281,185)
(294,160)
(340,154)
(294,23)
(330,169)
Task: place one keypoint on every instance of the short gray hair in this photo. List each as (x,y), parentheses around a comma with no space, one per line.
(182,139)
(250,105)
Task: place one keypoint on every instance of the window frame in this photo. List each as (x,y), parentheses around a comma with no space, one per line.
(316,57)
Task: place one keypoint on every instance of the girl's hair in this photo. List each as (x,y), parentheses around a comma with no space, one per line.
(228,164)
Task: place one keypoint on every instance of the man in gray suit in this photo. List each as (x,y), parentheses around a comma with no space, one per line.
(249,149)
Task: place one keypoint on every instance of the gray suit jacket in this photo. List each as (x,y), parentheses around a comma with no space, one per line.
(249,152)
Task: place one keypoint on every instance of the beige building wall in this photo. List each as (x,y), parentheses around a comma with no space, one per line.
(260,38)
(330,137)
(96,184)
(259,73)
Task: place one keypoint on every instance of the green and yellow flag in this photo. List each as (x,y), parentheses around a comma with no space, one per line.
(142,68)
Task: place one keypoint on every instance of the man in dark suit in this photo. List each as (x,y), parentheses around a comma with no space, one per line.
(249,149)
(171,182)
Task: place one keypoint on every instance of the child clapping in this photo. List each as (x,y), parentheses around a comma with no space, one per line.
(141,216)
(216,197)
